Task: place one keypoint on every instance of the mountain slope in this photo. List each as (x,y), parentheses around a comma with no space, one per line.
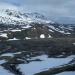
(17,17)
(32,25)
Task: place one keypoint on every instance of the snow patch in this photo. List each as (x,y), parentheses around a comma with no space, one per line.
(2,61)
(4,72)
(73,43)
(8,54)
(4,35)
(49,36)
(27,38)
(13,39)
(64,32)
(42,36)
(27,26)
(39,66)
(15,30)
(67,73)
(51,30)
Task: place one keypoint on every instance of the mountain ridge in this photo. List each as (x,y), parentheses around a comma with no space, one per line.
(13,17)
(34,25)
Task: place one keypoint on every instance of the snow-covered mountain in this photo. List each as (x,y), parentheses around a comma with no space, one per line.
(16,17)
(35,25)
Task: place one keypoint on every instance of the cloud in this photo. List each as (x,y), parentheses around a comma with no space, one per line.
(7,6)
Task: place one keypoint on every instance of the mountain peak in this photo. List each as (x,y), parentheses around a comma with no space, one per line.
(8,16)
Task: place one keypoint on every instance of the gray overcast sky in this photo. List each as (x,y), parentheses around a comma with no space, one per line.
(62,11)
